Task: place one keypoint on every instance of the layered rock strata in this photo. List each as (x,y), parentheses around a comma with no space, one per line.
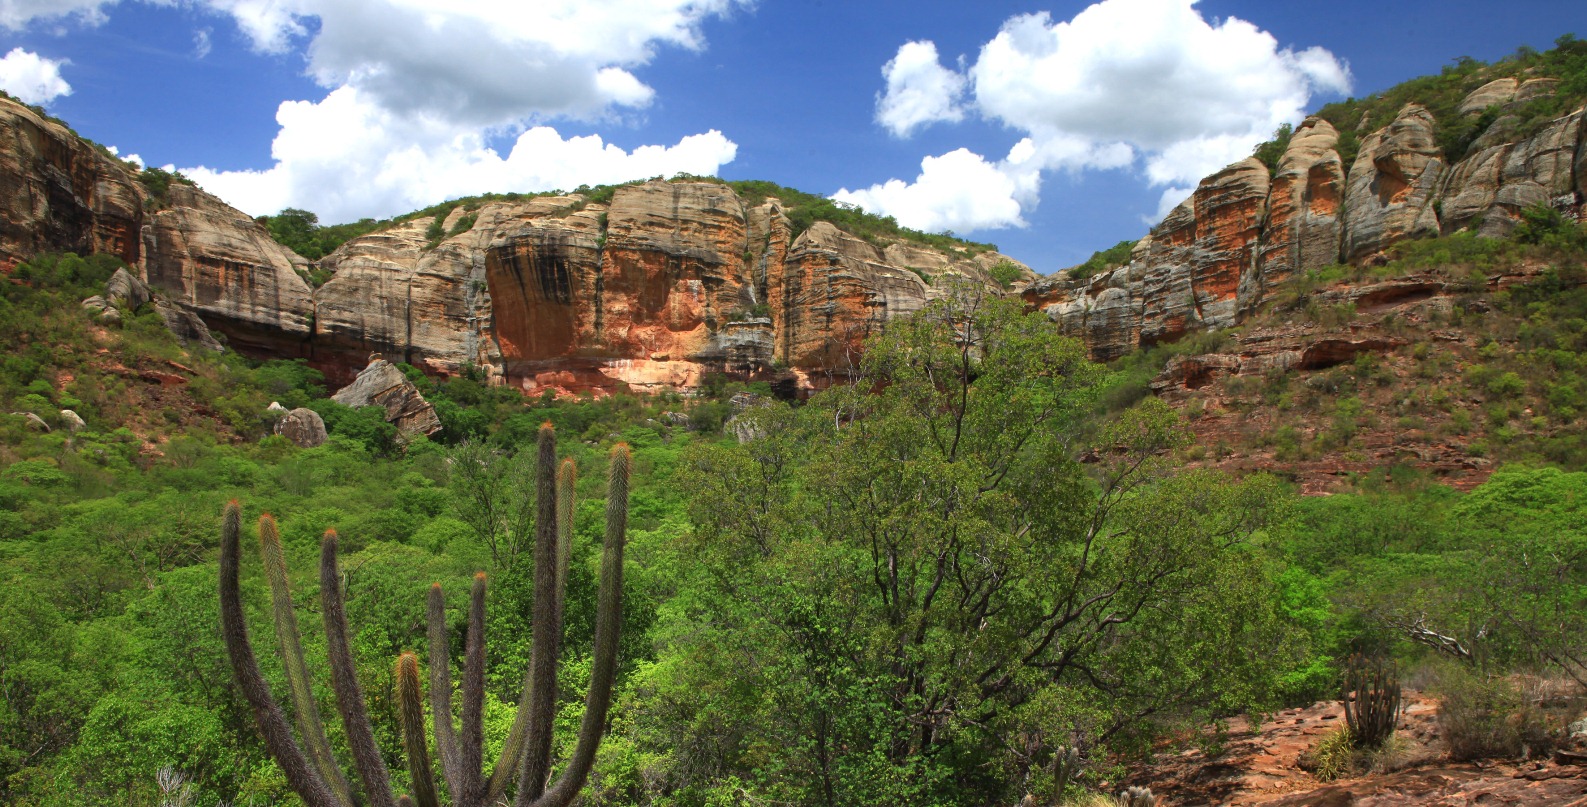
(382,384)
(663,283)
(1243,235)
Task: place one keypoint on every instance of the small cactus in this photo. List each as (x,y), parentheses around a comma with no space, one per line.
(1065,764)
(306,761)
(1137,797)
(1371,697)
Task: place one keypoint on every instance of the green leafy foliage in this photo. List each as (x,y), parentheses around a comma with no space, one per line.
(1442,94)
(804,209)
(1272,151)
(157,181)
(1103,260)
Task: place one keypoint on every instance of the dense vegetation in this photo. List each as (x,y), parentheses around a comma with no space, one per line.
(1103,260)
(916,595)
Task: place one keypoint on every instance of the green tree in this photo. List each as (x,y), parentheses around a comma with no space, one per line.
(915,569)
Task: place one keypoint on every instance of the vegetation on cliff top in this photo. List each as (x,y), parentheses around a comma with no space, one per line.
(300,230)
(1442,94)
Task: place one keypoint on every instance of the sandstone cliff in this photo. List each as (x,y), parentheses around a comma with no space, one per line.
(652,288)
(1243,233)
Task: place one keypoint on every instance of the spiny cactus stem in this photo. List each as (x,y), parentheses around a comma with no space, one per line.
(566,476)
(367,760)
(410,712)
(267,713)
(474,698)
(608,624)
(441,692)
(546,643)
(311,730)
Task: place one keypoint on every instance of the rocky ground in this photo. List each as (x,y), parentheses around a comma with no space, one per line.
(1264,768)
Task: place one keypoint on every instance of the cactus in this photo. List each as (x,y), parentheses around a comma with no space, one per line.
(1065,764)
(1137,797)
(1371,697)
(306,761)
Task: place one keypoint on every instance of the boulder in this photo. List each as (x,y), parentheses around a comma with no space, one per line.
(304,427)
(382,384)
(275,406)
(187,327)
(35,422)
(74,422)
(126,291)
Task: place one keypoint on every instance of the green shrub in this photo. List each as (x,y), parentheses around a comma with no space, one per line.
(1103,260)
(1333,756)
(1005,273)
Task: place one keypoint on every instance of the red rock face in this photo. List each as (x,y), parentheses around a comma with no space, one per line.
(59,194)
(1241,238)
(1303,228)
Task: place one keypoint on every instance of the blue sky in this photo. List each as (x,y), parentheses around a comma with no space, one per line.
(1051,129)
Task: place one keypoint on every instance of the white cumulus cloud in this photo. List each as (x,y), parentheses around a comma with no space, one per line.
(919,90)
(416,90)
(32,78)
(1126,81)
(958,191)
(347,157)
(17,14)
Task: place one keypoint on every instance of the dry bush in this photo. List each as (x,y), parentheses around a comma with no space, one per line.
(1488,718)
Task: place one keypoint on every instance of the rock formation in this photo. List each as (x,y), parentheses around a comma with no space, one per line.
(665,282)
(660,283)
(304,427)
(382,384)
(1241,237)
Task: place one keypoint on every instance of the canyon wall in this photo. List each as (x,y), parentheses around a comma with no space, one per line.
(653,288)
(1245,232)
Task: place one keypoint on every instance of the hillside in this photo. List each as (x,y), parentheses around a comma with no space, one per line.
(889,535)
(1359,298)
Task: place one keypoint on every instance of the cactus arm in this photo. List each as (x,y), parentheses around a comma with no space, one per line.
(410,711)
(566,476)
(267,713)
(512,750)
(607,627)
(344,678)
(311,729)
(474,699)
(441,692)
(546,643)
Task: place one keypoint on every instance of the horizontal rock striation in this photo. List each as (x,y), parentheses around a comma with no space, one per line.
(1243,234)
(662,284)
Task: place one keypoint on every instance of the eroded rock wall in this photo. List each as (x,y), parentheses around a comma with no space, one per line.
(1241,238)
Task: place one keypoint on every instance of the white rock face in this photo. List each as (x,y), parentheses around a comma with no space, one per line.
(382,384)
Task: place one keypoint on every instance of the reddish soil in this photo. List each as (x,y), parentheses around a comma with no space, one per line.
(1264,769)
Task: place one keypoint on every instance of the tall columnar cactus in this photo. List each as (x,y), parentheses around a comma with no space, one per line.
(306,760)
(1371,696)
